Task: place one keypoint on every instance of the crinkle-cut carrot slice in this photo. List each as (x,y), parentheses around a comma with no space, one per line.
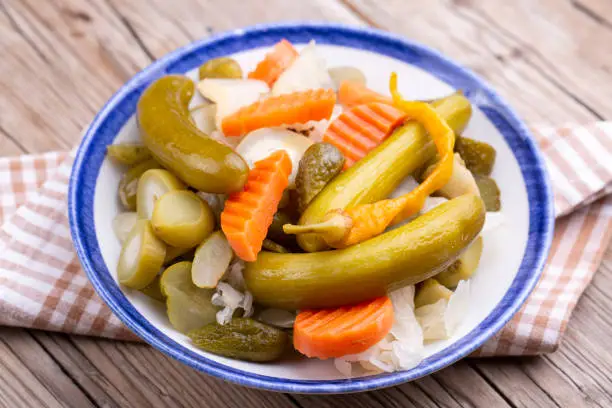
(247,214)
(275,62)
(287,109)
(360,129)
(337,332)
(354,93)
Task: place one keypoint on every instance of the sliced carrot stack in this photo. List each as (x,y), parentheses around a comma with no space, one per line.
(353,93)
(329,333)
(297,107)
(247,215)
(275,62)
(360,129)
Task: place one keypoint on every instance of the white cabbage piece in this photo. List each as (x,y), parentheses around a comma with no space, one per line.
(260,143)
(230,299)
(307,71)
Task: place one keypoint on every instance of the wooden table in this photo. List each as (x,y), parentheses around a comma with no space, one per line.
(62,59)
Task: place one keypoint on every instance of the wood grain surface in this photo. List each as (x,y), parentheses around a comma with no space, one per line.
(62,59)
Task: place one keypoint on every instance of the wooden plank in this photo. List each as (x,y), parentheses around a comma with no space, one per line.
(30,377)
(583,72)
(60,64)
(163,26)
(130,374)
(10,146)
(479,45)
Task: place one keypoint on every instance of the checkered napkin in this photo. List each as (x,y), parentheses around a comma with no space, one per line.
(43,286)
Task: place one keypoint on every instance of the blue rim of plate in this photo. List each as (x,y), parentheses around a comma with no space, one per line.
(121,106)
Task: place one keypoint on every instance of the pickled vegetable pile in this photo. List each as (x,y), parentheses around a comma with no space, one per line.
(292,208)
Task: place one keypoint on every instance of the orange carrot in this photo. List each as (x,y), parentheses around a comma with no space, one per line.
(247,215)
(341,331)
(358,130)
(275,62)
(352,93)
(297,107)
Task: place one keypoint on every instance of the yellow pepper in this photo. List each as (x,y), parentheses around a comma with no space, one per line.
(357,224)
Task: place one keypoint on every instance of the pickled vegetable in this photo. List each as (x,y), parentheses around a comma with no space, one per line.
(211,260)
(173,139)
(152,185)
(352,74)
(260,143)
(128,154)
(123,224)
(272,246)
(461,181)
(464,267)
(376,176)
(153,290)
(173,253)
(188,306)
(229,95)
(277,317)
(221,68)
(182,219)
(276,233)
(429,292)
(479,156)
(319,165)
(204,117)
(243,339)
(141,257)
(489,191)
(128,186)
(412,253)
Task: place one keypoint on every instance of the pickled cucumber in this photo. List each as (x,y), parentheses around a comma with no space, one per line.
(153,290)
(376,176)
(276,233)
(220,68)
(272,246)
(173,139)
(429,292)
(182,219)
(464,267)
(128,154)
(489,191)
(479,156)
(188,306)
(403,256)
(128,186)
(319,165)
(141,257)
(151,186)
(242,339)
(174,252)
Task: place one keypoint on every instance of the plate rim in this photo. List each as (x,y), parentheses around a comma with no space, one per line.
(534,175)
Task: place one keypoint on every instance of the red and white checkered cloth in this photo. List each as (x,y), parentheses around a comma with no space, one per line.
(43,286)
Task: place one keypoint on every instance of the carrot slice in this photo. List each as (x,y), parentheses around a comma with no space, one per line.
(353,93)
(360,129)
(297,107)
(341,331)
(247,215)
(275,62)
